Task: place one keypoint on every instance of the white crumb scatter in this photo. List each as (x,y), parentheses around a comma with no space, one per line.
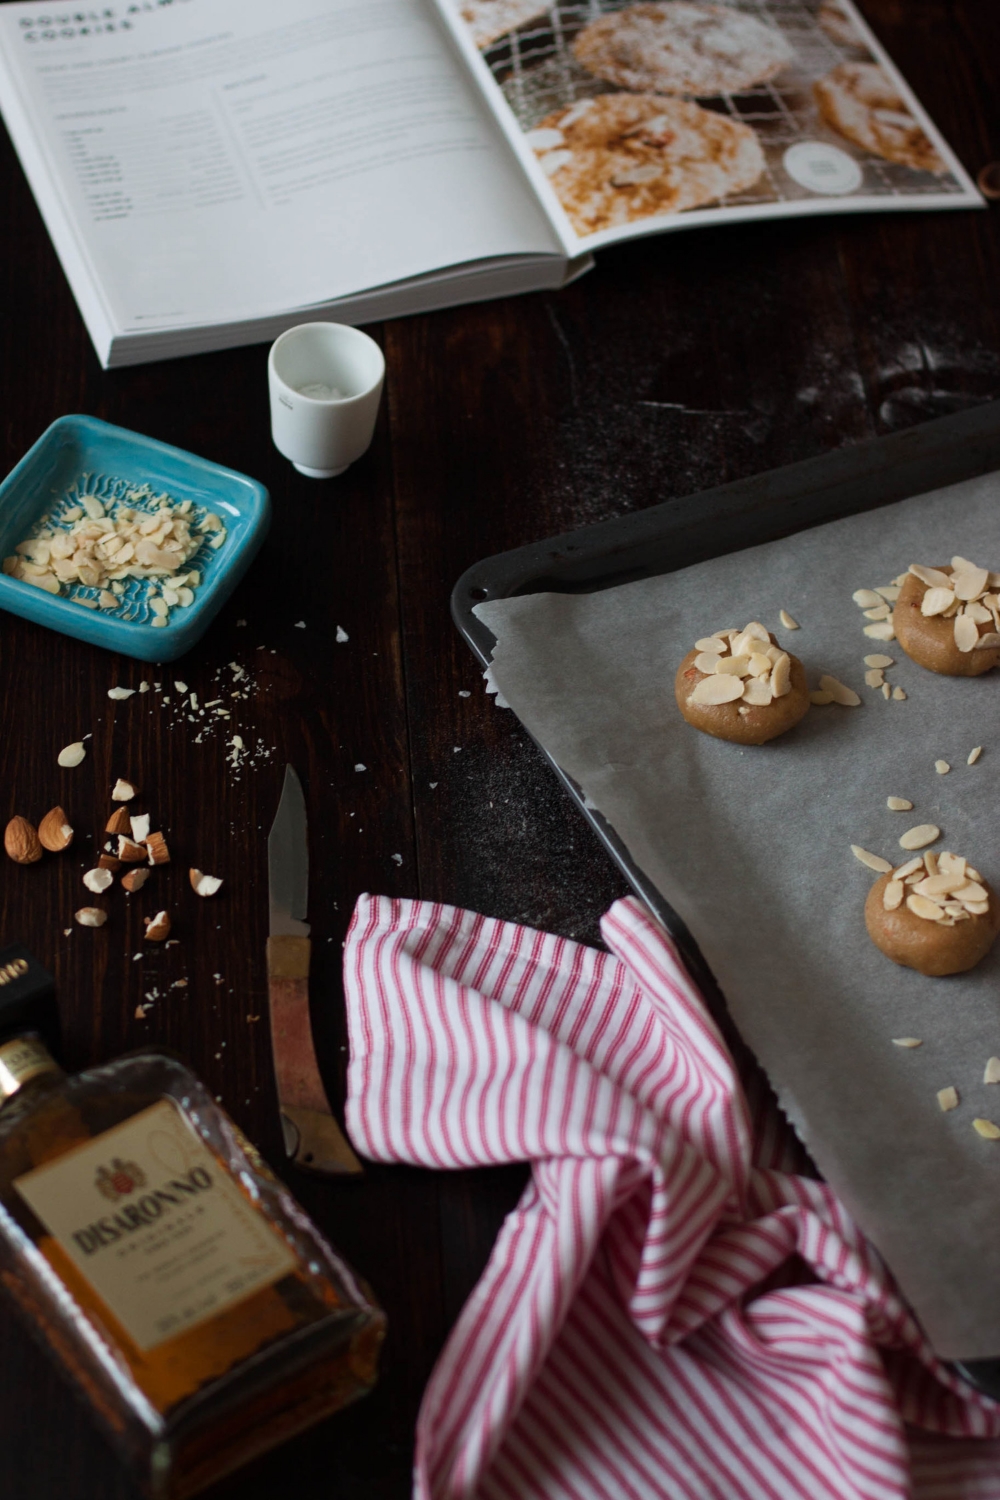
(119,694)
(67,932)
(240,624)
(456,749)
(432,785)
(144,687)
(136,957)
(300,624)
(397,859)
(907,1041)
(974,755)
(360,766)
(342,635)
(464,693)
(181,687)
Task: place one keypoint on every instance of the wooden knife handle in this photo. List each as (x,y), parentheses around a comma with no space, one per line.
(313,1139)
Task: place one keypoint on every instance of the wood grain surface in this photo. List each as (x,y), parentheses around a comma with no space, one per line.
(679,363)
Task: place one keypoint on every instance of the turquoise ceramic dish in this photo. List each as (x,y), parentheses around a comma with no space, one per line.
(82,456)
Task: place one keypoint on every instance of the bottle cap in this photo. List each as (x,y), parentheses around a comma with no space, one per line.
(27,997)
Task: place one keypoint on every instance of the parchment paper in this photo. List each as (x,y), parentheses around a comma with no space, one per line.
(751,847)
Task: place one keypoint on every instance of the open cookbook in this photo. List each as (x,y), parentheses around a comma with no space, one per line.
(213,171)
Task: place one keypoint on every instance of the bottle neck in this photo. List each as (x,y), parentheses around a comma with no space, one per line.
(23,1058)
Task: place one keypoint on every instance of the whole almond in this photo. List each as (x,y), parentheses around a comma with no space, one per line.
(54,831)
(21,842)
(158,927)
(119,821)
(135,880)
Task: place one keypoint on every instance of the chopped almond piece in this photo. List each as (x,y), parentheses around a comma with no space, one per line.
(204,885)
(119,821)
(129,852)
(90,916)
(122,791)
(158,927)
(159,854)
(135,880)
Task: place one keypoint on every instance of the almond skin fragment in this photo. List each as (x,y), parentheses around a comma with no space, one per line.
(21,842)
(90,916)
(157,928)
(119,821)
(54,831)
(135,880)
(122,791)
(159,854)
(204,885)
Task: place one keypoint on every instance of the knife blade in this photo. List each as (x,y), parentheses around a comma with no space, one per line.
(312,1137)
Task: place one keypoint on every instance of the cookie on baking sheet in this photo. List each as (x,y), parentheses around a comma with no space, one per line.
(622,157)
(861,103)
(490,19)
(839,25)
(673,47)
(947,619)
(937,915)
(740,685)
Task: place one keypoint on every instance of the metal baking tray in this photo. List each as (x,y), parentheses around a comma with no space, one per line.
(745,513)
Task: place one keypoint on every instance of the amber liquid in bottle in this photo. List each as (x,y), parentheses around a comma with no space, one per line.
(190,1272)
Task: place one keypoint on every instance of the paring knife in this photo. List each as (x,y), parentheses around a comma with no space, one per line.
(313,1139)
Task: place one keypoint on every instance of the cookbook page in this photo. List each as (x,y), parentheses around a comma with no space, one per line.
(210,160)
(633,118)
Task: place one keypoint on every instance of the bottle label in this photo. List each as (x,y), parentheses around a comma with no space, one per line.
(24,1058)
(156,1225)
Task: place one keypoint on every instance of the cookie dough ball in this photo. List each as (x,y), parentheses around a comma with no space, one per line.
(740,685)
(944,618)
(938,920)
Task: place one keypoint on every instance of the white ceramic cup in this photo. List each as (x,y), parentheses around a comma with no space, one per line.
(325,381)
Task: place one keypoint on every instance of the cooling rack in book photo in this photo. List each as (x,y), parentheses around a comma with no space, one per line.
(635,111)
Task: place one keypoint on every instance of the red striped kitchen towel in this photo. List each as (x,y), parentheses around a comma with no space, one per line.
(670,1311)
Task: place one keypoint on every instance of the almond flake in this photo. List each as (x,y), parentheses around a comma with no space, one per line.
(921,834)
(845,696)
(933,577)
(886,692)
(936,601)
(986,1129)
(977,908)
(757,692)
(879,661)
(966,633)
(992,1073)
(880,612)
(711,643)
(974,755)
(760,665)
(881,631)
(892,896)
(874,677)
(972,891)
(733,666)
(970,582)
(873,861)
(73,754)
(707,661)
(898,694)
(719,689)
(820,697)
(909,868)
(891,591)
(898,804)
(866,598)
(947,1098)
(787,620)
(988,642)
(907,1041)
(781,679)
(922,906)
(942,767)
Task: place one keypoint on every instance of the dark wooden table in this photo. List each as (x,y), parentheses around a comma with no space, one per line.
(678,364)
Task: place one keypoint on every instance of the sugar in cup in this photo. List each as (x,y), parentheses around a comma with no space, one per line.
(325,382)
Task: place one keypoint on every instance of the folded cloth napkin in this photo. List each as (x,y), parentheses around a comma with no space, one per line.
(671,1310)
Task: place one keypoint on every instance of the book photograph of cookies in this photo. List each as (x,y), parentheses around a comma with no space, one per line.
(643,115)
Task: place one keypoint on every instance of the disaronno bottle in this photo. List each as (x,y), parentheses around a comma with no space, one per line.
(172,1277)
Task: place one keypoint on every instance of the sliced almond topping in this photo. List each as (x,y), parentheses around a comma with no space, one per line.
(933,577)
(874,677)
(966,633)
(951,864)
(986,1129)
(866,598)
(880,612)
(962,565)
(921,906)
(948,1098)
(204,885)
(73,754)
(845,696)
(974,755)
(942,767)
(98,880)
(882,630)
(938,885)
(908,869)
(890,591)
(718,689)
(907,1041)
(886,693)
(936,601)
(157,928)
(892,896)
(971,892)
(916,838)
(757,692)
(159,854)
(135,879)
(711,643)
(930,862)
(733,666)
(820,697)
(787,620)
(140,828)
(979,613)
(988,641)
(54,831)
(977,908)
(992,1073)
(970,581)
(760,665)
(122,791)
(898,804)
(878,661)
(899,695)
(781,676)
(90,916)
(873,861)
(707,661)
